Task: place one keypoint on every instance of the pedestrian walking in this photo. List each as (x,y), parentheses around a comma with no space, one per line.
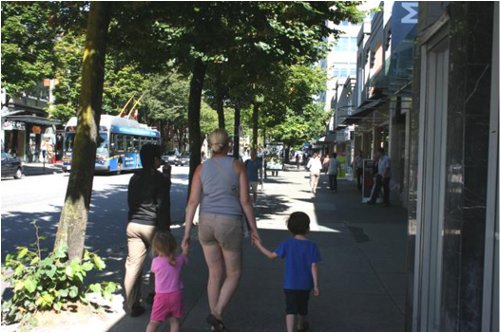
(167,267)
(314,166)
(383,178)
(333,170)
(254,173)
(301,270)
(357,166)
(220,187)
(149,210)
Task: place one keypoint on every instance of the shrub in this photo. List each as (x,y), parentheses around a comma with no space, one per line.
(50,283)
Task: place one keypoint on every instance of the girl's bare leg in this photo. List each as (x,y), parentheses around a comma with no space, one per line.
(175,324)
(152,326)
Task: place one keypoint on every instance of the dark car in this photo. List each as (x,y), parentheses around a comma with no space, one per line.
(183,159)
(11,166)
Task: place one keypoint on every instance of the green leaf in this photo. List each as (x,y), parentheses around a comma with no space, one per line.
(99,263)
(73,291)
(58,306)
(87,266)
(63,292)
(22,253)
(19,285)
(95,287)
(69,271)
(60,252)
(34,261)
(51,272)
(30,285)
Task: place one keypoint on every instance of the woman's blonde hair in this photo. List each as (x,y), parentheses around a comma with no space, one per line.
(218,140)
(164,243)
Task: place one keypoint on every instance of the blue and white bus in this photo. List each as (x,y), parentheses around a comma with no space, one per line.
(120,141)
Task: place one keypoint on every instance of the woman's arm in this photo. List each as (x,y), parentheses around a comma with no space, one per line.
(193,202)
(245,202)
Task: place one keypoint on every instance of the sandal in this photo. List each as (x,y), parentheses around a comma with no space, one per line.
(305,327)
(216,325)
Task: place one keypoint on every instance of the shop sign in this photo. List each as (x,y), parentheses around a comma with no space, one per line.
(13,125)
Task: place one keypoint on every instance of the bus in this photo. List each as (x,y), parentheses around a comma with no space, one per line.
(120,142)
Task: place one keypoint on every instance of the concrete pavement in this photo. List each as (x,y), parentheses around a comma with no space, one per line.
(37,168)
(362,273)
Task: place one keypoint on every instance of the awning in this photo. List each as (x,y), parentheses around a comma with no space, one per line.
(366,108)
(33,120)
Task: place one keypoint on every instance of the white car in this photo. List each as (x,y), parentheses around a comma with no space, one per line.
(171,157)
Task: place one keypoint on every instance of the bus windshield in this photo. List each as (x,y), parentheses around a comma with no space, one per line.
(103,143)
(70,138)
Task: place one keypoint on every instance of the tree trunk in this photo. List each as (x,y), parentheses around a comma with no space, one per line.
(236,140)
(73,221)
(219,100)
(195,140)
(255,125)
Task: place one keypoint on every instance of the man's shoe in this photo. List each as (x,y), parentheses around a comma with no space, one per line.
(137,310)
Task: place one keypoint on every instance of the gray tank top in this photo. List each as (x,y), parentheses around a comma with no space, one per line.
(220,187)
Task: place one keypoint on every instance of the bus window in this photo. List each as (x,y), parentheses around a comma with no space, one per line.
(120,143)
(135,144)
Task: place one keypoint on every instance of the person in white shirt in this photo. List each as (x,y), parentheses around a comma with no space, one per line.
(384,178)
(314,166)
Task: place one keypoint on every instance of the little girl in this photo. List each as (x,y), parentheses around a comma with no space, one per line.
(167,266)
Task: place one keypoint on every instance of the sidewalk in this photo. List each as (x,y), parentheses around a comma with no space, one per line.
(362,274)
(38,168)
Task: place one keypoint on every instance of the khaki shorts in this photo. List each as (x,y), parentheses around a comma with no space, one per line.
(253,186)
(223,230)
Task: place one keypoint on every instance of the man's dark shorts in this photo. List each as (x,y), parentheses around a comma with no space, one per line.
(296,301)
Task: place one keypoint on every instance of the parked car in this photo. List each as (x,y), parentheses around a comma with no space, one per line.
(183,159)
(171,157)
(11,166)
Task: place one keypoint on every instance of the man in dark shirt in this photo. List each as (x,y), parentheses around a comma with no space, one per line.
(149,210)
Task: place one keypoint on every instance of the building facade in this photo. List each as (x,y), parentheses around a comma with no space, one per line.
(427,91)
(26,125)
(453,165)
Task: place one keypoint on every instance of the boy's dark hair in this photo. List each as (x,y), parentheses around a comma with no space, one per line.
(148,153)
(298,223)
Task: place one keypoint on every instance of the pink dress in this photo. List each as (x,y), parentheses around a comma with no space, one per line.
(168,288)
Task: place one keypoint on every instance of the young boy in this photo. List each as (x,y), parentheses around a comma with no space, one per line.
(301,269)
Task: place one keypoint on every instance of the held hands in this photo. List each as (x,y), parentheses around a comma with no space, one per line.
(254,237)
(185,244)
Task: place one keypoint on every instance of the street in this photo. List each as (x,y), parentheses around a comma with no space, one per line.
(41,198)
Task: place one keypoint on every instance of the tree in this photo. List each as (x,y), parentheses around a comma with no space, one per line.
(74,215)
(27,44)
(68,52)
(165,103)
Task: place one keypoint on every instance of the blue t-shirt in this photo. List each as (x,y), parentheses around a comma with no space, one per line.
(252,168)
(299,256)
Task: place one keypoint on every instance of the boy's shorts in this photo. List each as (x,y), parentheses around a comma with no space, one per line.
(225,230)
(297,301)
(166,305)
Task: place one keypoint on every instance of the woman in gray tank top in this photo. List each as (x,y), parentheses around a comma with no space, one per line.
(220,186)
